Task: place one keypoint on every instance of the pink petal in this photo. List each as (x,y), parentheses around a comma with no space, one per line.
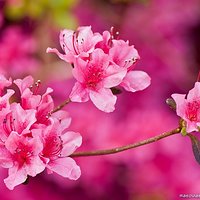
(23,119)
(114,77)
(25,83)
(86,40)
(135,81)
(66,40)
(104,45)
(103,99)
(99,59)
(71,141)
(63,118)
(180,104)
(66,57)
(65,167)
(4,100)
(5,158)
(79,69)
(16,177)
(30,101)
(79,94)
(123,54)
(4,82)
(194,94)
(191,126)
(35,166)
(12,142)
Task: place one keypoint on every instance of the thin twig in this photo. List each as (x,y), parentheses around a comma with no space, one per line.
(61,106)
(126,147)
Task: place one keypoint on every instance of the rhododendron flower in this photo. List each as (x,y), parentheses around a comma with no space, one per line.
(58,145)
(30,99)
(125,56)
(94,80)
(76,43)
(33,138)
(25,157)
(16,119)
(100,63)
(188,108)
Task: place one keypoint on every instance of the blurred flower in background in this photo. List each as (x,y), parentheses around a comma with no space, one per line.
(166,35)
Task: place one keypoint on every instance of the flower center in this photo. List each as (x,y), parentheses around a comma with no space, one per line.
(53,146)
(192,111)
(23,154)
(93,77)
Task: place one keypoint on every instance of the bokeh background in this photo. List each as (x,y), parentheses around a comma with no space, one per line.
(167,36)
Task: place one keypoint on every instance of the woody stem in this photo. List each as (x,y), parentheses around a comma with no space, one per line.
(61,106)
(127,147)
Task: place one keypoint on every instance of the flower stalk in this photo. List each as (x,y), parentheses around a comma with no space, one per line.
(127,147)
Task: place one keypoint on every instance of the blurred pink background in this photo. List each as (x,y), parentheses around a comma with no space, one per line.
(167,36)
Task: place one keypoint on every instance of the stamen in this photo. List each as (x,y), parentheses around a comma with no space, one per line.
(37,85)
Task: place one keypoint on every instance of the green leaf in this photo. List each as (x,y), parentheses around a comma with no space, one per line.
(195,147)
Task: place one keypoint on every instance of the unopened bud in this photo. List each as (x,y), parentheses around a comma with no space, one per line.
(171,103)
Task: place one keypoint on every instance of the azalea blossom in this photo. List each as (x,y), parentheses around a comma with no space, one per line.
(33,138)
(94,80)
(188,107)
(31,99)
(76,43)
(58,145)
(24,154)
(100,63)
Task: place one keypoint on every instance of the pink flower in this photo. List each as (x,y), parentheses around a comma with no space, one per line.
(100,63)
(125,56)
(58,145)
(188,107)
(106,43)
(17,119)
(32,138)
(30,99)
(24,154)
(122,54)
(76,43)
(94,80)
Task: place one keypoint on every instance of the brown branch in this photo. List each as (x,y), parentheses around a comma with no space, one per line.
(61,106)
(126,147)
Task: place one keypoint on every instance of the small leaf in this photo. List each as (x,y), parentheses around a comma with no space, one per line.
(195,147)
(116,90)
(171,103)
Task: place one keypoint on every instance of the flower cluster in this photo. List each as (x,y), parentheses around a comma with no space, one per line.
(189,108)
(100,63)
(32,137)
